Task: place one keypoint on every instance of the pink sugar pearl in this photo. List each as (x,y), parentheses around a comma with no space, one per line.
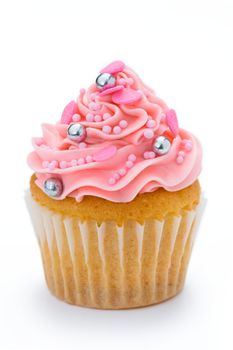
(122,81)
(81,161)
(181,153)
(151,123)
(188,146)
(146,155)
(89,117)
(106,116)
(107,129)
(45,164)
(179,160)
(148,133)
(132,157)
(82,145)
(151,155)
(123,124)
(63,164)
(94,106)
(116,130)
(89,159)
(116,176)
(122,172)
(112,181)
(97,118)
(129,164)
(74,162)
(93,96)
(76,118)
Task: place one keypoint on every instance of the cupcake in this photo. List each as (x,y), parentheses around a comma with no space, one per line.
(114,198)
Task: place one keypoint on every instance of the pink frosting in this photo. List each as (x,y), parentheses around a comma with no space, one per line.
(116,161)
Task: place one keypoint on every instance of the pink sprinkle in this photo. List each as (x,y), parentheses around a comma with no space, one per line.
(146,155)
(45,164)
(114,67)
(74,162)
(148,133)
(117,130)
(89,159)
(151,155)
(107,129)
(129,164)
(123,124)
(132,157)
(122,172)
(181,153)
(81,161)
(116,176)
(172,121)
(97,118)
(126,96)
(76,118)
(63,164)
(106,116)
(82,145)
(89,117)
(179,160)
(151,123)
(188,146)
(112,181)
(68,112)
(94,106)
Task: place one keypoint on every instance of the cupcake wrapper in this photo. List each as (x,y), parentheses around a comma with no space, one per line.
(114,267)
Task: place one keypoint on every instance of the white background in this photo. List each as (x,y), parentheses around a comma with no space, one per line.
(48,51)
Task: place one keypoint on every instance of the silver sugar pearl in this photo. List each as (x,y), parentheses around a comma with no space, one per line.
(105,80)
(53,187)
(76,132)
(161,145)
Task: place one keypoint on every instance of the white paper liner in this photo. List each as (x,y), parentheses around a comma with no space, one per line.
(114,267)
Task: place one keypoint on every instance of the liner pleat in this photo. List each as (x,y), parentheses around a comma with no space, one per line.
(114,267)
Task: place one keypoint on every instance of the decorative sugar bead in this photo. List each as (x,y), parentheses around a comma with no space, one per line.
(146,155)
(132,157)
(81,161)
(122,171)
(122,81)
(123,124)
(181,153)
(148,133)
(188,146)
(129,164)
(63,164)
(106,116)
(151,155)
(116,176)
(89,117)
(97,118)
(89,159)
(76,118)
(117,130)
(74,162)
(130,81)
(82,145)
(151,123)
(112,181)
(45,164)
(179,160)
(94,106)
(107,129)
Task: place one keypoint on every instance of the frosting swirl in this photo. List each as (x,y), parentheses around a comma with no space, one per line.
(117,158)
